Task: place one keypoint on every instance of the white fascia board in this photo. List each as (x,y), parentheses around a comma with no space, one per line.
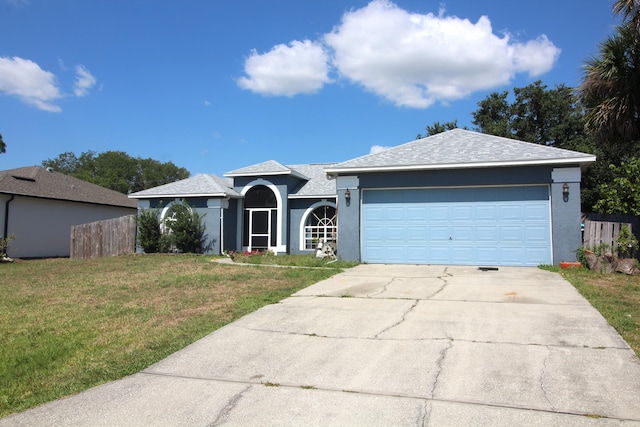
(177,196)
(335,171)
(296,174)
(325,196)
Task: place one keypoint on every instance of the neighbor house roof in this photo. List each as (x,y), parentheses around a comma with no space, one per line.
(202,185)
(35,181)
(270,167)
(459,148)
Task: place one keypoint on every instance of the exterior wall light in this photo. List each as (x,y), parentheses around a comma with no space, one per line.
(565,192)
(347,196)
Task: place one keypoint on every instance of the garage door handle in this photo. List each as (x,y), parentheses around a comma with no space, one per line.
(450,238)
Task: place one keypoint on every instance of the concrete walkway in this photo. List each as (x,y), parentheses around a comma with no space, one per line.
(382,345)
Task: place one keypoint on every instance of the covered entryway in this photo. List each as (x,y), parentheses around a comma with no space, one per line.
(463,226)
(260,223)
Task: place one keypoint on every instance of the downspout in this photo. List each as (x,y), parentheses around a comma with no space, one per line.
(221,230)
(6,216)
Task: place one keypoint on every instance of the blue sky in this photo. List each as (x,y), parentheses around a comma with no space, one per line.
(217,85)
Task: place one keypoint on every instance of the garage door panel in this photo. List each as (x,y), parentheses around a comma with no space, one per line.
(438,213)
(487,233)
(462,213)
(490,226)
(536,234)
(536,212)
(462,233)
(439,233)
(511,234)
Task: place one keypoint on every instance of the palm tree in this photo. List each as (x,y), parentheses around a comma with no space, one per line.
(610,90)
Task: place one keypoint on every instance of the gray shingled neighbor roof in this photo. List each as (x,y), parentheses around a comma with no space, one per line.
(459,148)
(35,181)
(195,186)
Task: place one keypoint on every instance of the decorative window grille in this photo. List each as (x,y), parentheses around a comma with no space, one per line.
(321,225)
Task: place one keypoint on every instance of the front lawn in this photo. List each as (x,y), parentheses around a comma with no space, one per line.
(68,325)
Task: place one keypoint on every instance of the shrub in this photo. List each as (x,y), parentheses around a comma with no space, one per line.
(149,230)
(4,244)
(185,229)
(627,243)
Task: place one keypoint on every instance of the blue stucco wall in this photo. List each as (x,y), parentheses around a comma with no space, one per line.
(211,210)
(565,216)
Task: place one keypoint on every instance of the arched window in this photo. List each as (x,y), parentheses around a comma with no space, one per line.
(321,225)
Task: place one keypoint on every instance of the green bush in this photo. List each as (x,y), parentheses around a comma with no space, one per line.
(185,231)
(4,244)
(627,243)
(149,230)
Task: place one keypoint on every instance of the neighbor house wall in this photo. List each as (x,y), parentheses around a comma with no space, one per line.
(42,227)
(565,216)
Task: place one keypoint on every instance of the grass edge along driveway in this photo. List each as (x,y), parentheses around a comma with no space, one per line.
(69,325)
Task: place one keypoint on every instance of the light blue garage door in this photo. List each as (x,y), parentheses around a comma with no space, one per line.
(460,226)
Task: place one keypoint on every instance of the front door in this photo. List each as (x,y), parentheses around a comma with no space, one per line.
(259,229)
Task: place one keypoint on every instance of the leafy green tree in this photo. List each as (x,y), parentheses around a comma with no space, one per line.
(622,195)
(493,115)
(3,146)
(149,230)
(117,170)
(537,114)
(186,232)
(438,127)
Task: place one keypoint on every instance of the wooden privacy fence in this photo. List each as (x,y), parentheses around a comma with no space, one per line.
(602,229)
(104,238)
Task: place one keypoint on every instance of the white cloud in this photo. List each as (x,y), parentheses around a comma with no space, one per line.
(26,80)
(415,60)
(410,59)
(84,81)
(300,67)
(375,149)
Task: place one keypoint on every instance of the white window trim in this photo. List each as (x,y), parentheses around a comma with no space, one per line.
(306,214)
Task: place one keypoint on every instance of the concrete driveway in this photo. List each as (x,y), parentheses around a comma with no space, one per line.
(389,346)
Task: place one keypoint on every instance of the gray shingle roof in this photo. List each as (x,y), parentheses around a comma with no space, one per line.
(318,185)
(35,181)
(459,148)
(195,186)
(270,167)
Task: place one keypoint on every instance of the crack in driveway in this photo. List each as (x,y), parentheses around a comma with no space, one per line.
(384,288)
(444,285)
(231,404)
(439,363)
(542,375)
(404,317)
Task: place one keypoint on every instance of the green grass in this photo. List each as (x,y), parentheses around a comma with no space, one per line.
(616,296)
(307,260)
(68,325)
